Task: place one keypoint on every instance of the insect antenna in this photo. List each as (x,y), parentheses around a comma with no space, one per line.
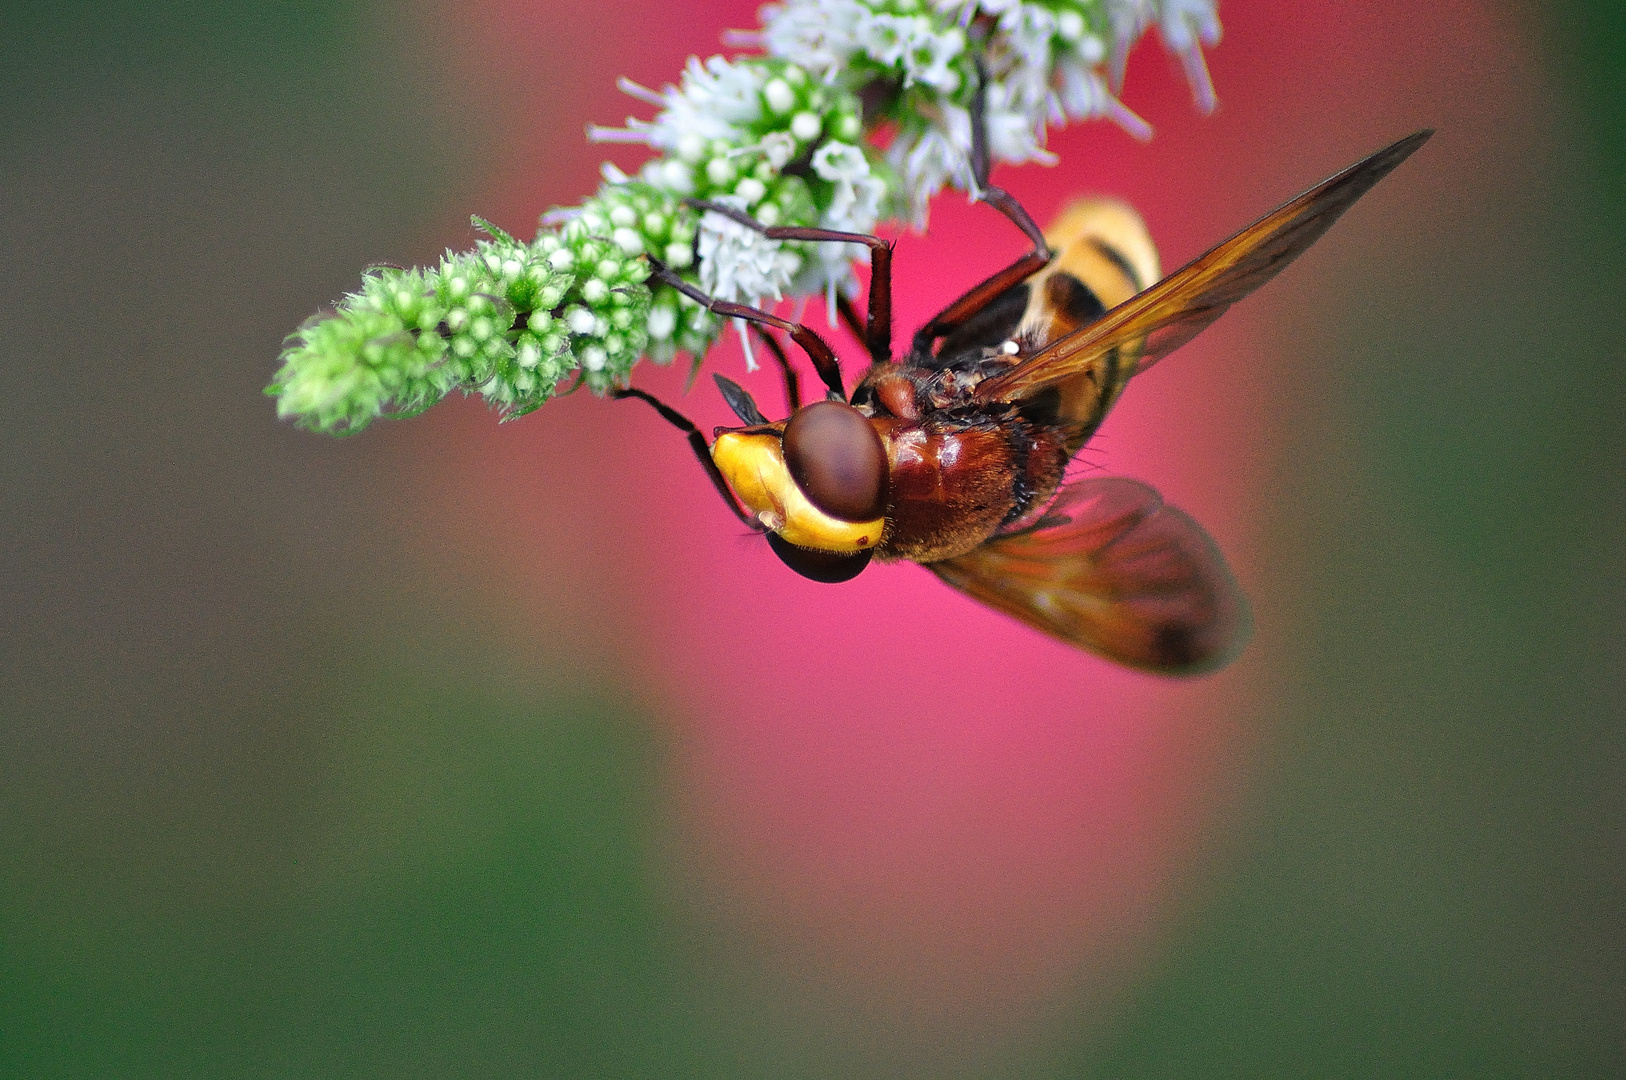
(740,401)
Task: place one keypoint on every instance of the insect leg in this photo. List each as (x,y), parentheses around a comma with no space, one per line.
(793,382)
(697,442)
(981,166)
(824,359)
(850,318)
(981,295)
(877,334)
(973,301)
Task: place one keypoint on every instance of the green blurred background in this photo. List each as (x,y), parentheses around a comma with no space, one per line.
(277,800)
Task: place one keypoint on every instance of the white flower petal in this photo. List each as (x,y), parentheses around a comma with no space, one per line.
(820,35)
(740,264)
(840,161)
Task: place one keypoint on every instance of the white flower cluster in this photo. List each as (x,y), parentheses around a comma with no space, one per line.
(1186,26)
(716,101)
(1048,63)
(740,264)
(783,138)
(766,138)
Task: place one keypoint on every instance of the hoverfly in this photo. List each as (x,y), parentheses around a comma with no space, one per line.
(955,457)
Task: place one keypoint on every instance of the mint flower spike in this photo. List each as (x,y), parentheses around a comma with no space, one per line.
(507,320)
(781,137)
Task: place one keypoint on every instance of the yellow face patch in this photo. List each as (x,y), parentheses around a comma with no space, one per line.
(754,466)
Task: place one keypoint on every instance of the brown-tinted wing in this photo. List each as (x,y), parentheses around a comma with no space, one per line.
(1122,574)
(1181,306)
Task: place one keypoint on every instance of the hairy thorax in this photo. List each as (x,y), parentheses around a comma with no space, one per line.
(959,473)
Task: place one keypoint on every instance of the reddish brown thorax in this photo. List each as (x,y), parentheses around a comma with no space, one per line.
(958,475)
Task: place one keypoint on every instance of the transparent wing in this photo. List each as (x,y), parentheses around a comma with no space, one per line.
(1181,306)
(1118,572)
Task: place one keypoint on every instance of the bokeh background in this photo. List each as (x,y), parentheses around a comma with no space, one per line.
(465,750)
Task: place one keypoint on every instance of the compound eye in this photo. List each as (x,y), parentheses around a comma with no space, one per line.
(836,458)
(830,567)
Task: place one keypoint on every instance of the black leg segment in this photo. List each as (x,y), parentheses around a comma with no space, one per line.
(697,442)
(981,166)
(793,382)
